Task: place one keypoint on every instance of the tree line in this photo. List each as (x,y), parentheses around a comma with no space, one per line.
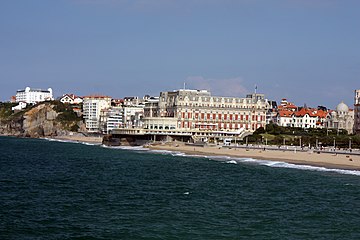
(273,134)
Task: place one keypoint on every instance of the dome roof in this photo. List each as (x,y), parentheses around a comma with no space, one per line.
(342,107)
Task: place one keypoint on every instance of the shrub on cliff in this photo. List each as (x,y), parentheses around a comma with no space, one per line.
(5,110)
(67,117)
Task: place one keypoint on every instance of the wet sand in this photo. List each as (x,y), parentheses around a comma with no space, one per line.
(328,160)
(76,138)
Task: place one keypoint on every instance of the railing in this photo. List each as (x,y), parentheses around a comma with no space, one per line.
(295,148)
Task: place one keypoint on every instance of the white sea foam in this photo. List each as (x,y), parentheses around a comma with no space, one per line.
(131,148)
(221,158)
(313,168)
(179,154)
(56,140)
(232,162)
(277,164)
(227,159)
(91,144)
(61,140)
(71,141)
(268,163)
(163,151)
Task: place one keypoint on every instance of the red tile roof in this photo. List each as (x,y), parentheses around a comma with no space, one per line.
(321,113)
(288,106)
(285,113)
(302,112)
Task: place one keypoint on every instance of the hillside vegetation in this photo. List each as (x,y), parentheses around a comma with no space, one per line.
(43,119)
(277,135)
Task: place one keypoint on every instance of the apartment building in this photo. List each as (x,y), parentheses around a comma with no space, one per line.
(33,96)
(92,107)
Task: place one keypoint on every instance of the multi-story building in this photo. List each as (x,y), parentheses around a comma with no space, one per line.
(305,118)
(136,101)
(114,119)
(197,109)
(123,114)
(92,107)
(284,118)
(357,112)
(341,118)
(131,101)
(132,116)
(272,112)
(33,96)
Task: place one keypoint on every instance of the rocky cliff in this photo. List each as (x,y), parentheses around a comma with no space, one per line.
(42,120)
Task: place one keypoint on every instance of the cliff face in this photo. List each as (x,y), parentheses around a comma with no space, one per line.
(13,127)
(42,120)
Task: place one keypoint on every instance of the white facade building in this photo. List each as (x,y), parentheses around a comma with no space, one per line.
(197,109)
(20,106)
(71,99)
(92,106)
(67,99)
(285,118)
(306,120)
(133,116)
(342,118)
(33,96)
(114,119)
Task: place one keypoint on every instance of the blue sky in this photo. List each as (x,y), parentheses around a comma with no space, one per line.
(304,50)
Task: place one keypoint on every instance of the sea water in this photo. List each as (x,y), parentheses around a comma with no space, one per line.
(61,190)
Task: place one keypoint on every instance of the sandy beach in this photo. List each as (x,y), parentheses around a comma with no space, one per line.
(328,160)
(78,138)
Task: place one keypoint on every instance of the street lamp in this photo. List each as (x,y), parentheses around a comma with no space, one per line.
(334,143)
(350,144)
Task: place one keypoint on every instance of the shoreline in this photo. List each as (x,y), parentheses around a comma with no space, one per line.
(76,138)
(72,138)
(327,160)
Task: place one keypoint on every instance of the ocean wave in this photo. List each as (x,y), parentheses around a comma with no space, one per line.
(60,140)
(232,162)
(71,141)
(268,163)
(225,159)
(312,168)
(277,164)
(163,151)
(131,148)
